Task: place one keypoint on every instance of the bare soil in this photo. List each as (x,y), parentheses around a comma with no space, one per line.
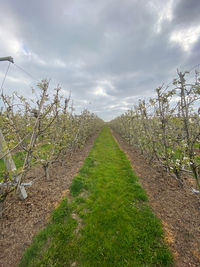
(22,220)
(177,207)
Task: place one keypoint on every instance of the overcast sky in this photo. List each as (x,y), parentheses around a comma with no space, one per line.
(109,53)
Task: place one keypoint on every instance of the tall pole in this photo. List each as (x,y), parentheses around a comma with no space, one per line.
(7,59)
(9,163)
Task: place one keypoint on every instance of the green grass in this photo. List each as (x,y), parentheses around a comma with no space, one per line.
(197,145)
(117,226)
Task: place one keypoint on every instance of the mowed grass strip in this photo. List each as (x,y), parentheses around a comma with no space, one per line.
(108,223)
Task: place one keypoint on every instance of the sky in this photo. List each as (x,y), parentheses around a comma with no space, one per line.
(107,53)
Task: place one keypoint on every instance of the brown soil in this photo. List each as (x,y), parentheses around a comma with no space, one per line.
(24,219)
(178,208)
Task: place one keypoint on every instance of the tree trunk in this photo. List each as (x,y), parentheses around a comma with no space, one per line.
(178,176)
(1,209)
(46,171)
(196,175)
(63,163)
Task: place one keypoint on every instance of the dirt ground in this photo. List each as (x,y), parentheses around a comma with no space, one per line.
(178,208)
(24,219)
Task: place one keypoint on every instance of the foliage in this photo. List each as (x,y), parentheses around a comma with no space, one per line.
(43,130)
(167,127)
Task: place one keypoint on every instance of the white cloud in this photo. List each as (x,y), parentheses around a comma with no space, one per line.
(10,43)
(186,37)
(107,83)
(59,63)
(37,59)
(18,80)
(100,91)
(108,53)
(164,12)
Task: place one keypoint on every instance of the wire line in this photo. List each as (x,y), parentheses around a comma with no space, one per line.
(1,90)
(22,69)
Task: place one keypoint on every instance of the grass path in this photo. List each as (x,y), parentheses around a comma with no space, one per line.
(108,222)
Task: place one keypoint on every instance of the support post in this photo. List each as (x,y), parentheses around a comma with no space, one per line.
(9,163)
(7,59)
(10,166)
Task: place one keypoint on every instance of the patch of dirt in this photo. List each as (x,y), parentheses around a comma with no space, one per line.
(22,220)
(79,221)
(178,208)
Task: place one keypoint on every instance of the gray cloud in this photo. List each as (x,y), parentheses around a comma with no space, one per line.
(187,13)
(109,53)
